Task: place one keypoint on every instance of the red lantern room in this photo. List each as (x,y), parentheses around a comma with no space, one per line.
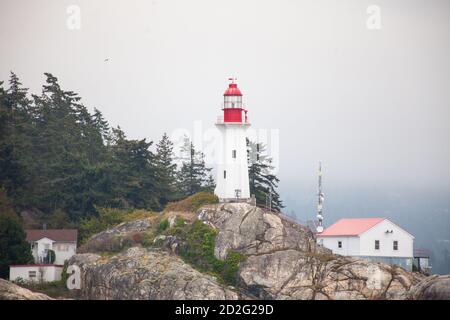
(232,106)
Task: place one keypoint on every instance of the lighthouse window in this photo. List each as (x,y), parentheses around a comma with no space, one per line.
(224,174)
(395,245)
(377,244)
(234,154)
(339,244)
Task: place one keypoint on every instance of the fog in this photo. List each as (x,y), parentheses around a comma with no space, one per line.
(372,104)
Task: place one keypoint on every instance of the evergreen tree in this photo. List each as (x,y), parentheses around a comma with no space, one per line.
(193,176)
(263,183)
(60,160)
(102,126)
(14,249)
(166,169)
(13,124)
(135,179)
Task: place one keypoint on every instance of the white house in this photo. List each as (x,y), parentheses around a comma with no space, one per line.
(36,272)
(63,242)
(376,239)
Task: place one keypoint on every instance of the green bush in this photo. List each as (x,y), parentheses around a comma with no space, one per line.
(179,222)
(51,256)
(199,252)
(64,274)
(163,225)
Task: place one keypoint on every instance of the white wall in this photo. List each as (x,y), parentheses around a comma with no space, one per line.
(350,245)
(378,232)
(233,138)
(63,250)
(46,273)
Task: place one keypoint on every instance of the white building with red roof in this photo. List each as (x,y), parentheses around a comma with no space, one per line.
(232,168)
(63,242)
(376,239)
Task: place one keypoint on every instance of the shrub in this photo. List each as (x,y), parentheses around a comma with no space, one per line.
(231,267)
(147,239)
(199,252)
(64,274)
(163,225)
(179,222)
(193,203)
(51,256)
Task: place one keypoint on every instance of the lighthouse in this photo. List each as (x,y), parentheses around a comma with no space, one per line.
(232,181)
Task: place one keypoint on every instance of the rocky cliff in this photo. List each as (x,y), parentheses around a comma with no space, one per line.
(281,261)
(284,261)
(10,291)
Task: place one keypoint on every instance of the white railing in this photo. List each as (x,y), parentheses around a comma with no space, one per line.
(221,120)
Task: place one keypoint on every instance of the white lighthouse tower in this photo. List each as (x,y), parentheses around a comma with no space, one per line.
(232,172)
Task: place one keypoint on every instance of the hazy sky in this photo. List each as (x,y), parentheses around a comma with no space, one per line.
(372,105)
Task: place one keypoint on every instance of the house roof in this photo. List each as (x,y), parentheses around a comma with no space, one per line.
(350,227)
(36,265)
(69,235)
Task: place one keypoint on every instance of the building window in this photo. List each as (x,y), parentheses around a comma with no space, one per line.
(32,274)
(377,244)
(395,245)
(339,244)
(62,247)
(224,174)
(234,154)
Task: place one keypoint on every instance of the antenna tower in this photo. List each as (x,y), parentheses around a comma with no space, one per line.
(321,197)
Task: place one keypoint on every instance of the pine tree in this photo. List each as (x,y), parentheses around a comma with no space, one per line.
(135,178)
(14,249)
(14,106)
(62,161)
(263,183)
(193,176)
(166,169)
(102,126)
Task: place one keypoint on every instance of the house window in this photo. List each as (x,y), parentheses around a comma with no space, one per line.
(339,244)
(377,244)
(224,174)
(32,274)
(234,154)
(395,245)
(62,247)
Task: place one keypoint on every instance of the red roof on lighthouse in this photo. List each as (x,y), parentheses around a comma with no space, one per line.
(232,89)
